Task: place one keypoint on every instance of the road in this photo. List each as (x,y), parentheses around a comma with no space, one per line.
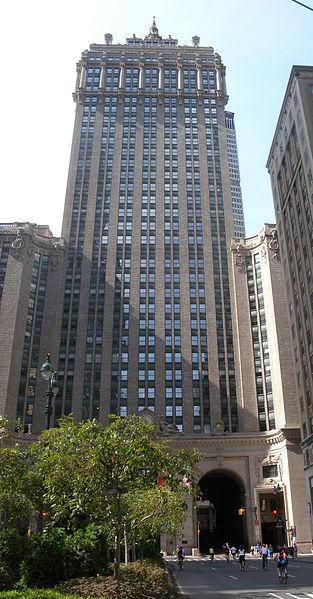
(202,579)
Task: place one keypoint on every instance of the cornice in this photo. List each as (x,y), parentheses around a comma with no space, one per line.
(278,437)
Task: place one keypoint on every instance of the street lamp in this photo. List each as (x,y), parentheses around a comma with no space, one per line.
(277,511)
(50,375)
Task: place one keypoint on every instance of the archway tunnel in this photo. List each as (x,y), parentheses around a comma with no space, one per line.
(221,496)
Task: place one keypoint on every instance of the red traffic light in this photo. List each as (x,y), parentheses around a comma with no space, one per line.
(44,515)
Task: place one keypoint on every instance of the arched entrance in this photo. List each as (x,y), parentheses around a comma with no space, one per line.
(218,520)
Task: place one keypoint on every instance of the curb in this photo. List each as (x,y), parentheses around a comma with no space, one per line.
(171,574)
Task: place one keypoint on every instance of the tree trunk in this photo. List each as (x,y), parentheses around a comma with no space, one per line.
(126,542)
(117,539)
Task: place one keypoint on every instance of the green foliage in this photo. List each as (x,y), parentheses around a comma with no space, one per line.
(12,550)
(5,433)
(86,552)
(43,566)
(88,471)
(56,555)
(35,594)
(16,485)
(155,511)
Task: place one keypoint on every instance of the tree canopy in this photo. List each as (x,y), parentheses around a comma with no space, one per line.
(110,474)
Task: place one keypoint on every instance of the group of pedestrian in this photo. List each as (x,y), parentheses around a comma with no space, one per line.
(263,549)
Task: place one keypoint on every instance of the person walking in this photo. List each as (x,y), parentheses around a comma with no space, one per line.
(211,553)
(295,551)
(180,556)
(271,550)
(226,550)
(264,554)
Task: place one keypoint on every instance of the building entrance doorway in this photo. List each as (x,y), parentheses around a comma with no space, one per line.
(218,519)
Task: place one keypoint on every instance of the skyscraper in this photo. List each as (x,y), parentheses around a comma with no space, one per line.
(156,304)
(290,165)
(147,223)
(239,220)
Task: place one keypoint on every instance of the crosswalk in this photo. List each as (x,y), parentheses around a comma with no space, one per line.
(288,595)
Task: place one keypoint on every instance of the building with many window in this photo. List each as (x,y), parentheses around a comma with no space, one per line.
(233,161)
(290,165)
(158,305)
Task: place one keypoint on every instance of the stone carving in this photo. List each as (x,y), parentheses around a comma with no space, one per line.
(240,258)
(271,459)
(219,428)
(164,428)
(273,243)
(27,239)
(18,242)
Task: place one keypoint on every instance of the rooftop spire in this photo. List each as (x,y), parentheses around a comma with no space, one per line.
(154,32)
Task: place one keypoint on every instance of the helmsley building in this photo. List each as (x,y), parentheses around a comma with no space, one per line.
(152,300)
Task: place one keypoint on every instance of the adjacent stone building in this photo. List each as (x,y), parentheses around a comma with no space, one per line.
(290,165)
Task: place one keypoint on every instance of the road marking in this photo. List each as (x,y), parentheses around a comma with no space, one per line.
(279,596)
(253,568)
(295,596)
(213,568)
(234,577)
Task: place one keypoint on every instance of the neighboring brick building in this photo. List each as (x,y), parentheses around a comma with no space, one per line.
(30,266)
(146,310)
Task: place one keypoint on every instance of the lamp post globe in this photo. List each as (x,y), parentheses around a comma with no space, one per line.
(48,374)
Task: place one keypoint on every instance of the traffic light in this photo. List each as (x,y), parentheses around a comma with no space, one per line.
(44,515)
(275,512)
(242,511)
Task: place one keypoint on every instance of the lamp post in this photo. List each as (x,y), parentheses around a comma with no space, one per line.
(50,375)
(279,518)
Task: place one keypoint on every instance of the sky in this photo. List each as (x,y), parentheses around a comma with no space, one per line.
(41,42)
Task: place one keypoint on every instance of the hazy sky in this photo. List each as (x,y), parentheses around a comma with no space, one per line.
(40,43)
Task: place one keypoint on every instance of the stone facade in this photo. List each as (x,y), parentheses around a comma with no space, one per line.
(290,165)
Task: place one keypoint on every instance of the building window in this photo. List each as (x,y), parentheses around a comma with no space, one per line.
(270,471)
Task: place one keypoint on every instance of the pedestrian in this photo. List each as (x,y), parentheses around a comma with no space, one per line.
(295,551)
(226,552)
(271,550)
(264,556)
(211,553)
(233,551)
(257,548)
(252,550)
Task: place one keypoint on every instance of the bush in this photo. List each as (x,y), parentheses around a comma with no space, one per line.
(86,552)
(12,550)
(56,556)
(35,594)
(43,566)
(139,579)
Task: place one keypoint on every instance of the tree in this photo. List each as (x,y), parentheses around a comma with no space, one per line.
(89,470)
(16,488)
(152,512)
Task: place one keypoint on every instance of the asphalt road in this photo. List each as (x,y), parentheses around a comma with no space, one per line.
(202,579)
